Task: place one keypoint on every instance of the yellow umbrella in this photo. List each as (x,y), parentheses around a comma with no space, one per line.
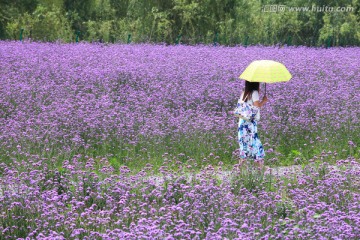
(266,71)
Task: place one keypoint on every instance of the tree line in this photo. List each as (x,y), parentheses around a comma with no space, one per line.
(226,22)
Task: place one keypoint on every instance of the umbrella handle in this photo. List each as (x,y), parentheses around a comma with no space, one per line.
(265,89)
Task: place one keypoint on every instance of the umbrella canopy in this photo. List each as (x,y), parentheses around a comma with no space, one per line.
(266,71)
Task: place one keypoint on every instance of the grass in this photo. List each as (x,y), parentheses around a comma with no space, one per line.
(194,150)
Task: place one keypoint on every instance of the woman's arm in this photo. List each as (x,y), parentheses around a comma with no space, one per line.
(262,103)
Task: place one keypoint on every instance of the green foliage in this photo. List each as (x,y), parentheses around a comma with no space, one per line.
(227,22)
(253,179)
(284,209)
(10,10)
(78,12)
(340,29)
(115,163)
(43,24)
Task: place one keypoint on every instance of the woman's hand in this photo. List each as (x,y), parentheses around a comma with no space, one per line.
(265,99)
(260,104)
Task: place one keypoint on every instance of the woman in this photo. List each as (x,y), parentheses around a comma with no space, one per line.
(250,144)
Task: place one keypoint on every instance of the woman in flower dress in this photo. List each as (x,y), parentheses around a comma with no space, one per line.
(251,147)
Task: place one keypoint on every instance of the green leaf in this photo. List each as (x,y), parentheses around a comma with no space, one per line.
(296,152)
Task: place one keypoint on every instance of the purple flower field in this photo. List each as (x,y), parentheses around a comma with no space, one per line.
(82,125)
(75,203)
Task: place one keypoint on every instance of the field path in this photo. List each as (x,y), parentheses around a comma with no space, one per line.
(223,175)
(275,171)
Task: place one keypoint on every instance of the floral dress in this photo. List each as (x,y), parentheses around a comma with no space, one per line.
(249,142)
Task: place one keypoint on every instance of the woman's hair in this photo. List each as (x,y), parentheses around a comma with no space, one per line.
(249,88)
